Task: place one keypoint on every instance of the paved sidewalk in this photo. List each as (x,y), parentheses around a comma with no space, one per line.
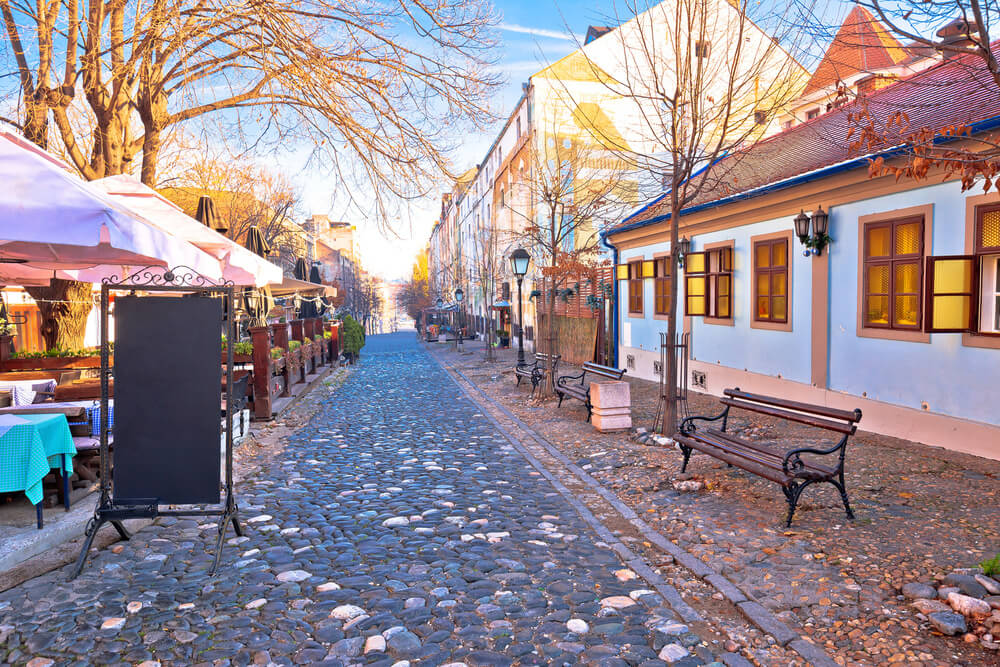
(397,524)
(922,511)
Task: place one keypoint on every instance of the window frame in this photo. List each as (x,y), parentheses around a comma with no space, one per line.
(635,279)
(773,325)
(661,281)
(710,281)
(913,335)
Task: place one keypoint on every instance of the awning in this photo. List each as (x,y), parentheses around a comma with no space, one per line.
(289,286)
(501,304)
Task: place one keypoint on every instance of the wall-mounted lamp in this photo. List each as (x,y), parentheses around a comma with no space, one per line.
(818,239)
(683,248)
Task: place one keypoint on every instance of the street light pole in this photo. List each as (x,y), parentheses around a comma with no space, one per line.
(519,260)
(520,324)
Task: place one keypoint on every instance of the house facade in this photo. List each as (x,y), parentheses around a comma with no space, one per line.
(899,315)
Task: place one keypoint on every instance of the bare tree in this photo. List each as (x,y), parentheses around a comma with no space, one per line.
(373,85)
(954,30)
(377,90)
(245,195)
(700,80)
(573,189)
(487,268)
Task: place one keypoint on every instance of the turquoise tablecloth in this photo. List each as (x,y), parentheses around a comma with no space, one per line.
(31,445)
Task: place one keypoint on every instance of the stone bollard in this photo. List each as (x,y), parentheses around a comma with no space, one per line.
(611,403)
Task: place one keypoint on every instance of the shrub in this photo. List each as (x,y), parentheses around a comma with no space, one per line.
(244,347)
(294,345)
(277,352)
(353,335)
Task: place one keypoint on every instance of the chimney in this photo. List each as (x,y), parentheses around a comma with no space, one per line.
(957,33)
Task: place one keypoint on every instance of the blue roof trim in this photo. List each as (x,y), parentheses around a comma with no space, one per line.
(981,126)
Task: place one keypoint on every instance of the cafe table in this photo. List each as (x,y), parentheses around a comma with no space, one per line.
(30,446)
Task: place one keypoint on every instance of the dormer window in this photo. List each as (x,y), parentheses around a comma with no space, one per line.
(701,48)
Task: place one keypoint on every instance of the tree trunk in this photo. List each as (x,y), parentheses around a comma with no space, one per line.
(548,388)
(65,305)
(670,420)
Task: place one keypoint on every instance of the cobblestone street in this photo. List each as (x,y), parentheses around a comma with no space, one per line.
(398,524)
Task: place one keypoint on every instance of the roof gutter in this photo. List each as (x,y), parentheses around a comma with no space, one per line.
(613,324)
(981,126)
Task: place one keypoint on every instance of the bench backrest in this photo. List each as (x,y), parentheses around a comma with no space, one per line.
(543,358)
(603,371)
(820,416)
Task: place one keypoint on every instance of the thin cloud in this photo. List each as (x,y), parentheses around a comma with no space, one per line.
(538,32)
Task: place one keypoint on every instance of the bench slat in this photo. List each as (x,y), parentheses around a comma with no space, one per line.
(822,410)
(791,416)
(765,471)
(738,446)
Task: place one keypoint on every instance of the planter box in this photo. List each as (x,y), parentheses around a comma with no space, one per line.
(612,406)
(238,358)
(51,363)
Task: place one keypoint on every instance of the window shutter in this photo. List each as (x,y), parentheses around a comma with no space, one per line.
(649,268)
(621,271)
(952,294)
(695,262)
(695,295)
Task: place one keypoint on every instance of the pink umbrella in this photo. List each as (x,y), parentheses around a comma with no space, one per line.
(238,264)
(51,219)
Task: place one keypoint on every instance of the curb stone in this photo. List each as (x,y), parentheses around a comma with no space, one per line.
(753,611)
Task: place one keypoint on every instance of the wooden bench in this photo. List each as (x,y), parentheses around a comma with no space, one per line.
(785,466)
(535,371)
(581,391)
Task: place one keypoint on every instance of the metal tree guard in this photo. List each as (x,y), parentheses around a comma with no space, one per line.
(680,351)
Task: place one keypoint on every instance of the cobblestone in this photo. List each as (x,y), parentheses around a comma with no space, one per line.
(397,525)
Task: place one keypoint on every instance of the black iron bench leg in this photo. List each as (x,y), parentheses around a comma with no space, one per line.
(687,456)
(843,494)
(589,409)
(122,531)
(38,513)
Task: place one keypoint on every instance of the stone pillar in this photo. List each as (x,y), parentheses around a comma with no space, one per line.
(261,338)
(611,403)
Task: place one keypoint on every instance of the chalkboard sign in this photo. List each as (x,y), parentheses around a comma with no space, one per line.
(167,399)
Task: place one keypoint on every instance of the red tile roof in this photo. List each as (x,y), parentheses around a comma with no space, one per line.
(862,44)
(928,98)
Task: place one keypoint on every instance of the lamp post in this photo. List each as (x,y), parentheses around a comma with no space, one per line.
(459,295)
(519,260)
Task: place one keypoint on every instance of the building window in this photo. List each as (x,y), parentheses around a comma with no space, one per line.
(503,203)
(812,113)
(759,117)
(635,288)
(661,287)
(519,128)
(770,274)
(708,283)
(892,273)
(964,290)
(701,48)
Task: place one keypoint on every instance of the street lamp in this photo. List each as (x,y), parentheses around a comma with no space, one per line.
(519,260)
(459,295)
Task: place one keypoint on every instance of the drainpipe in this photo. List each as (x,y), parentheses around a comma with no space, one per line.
(614,300)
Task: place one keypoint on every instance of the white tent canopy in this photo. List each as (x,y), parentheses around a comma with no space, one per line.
(51,219)
(238,264)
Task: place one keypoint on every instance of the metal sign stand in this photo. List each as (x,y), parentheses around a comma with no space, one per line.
(183,280)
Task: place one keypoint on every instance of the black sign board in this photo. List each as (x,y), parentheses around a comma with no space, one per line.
(167,403)
(167,388)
